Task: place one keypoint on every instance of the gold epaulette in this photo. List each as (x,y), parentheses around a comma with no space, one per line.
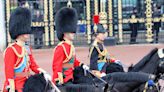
(94,44)
(90,51)
(15,51)
(103,53)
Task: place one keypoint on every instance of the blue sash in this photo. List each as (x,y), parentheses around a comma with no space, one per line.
(23,64)
(100,65)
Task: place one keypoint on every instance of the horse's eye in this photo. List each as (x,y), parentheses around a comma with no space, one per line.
(162,60)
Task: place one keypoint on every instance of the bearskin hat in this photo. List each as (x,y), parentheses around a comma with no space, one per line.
(20,22)
(66,21)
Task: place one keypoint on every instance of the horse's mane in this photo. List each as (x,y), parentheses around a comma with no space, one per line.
(130,76)
(113,67)
(143,61)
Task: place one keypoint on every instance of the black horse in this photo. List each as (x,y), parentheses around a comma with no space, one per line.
(151,63)
(118,81)
(38,83)
(151,60)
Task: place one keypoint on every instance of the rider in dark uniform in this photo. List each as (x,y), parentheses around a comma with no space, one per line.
(99,57)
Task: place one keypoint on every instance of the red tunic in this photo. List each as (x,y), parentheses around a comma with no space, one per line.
(11,61)
(61,53)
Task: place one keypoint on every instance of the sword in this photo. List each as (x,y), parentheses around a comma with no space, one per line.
(55,87)
(106,83)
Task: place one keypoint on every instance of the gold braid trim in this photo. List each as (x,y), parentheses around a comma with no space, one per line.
(68,57)
(24,52)
(6,48)
(16,52)
(102,53)
(90,51)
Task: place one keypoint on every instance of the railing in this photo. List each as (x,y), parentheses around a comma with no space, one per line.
(112,15)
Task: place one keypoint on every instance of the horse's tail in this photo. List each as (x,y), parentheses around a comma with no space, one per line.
(130,77)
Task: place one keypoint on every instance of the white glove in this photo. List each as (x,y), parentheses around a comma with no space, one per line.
(85,67)
(103,74)
(46,75)
(11,85)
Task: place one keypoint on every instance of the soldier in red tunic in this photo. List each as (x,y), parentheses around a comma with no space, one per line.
(18,57)
(64,59)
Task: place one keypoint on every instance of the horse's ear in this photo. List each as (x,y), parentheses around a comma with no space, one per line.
(130,67)
(42,74)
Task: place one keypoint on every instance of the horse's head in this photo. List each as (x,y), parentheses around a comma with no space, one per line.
(161,62)
(146,62)
(37,83)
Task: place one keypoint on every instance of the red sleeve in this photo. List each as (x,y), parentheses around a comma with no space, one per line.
(9,61)
(76,63)
(58,59)
(33,65)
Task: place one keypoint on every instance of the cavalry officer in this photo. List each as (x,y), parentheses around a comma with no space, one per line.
(18,58)
(64,58)
(99,57)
